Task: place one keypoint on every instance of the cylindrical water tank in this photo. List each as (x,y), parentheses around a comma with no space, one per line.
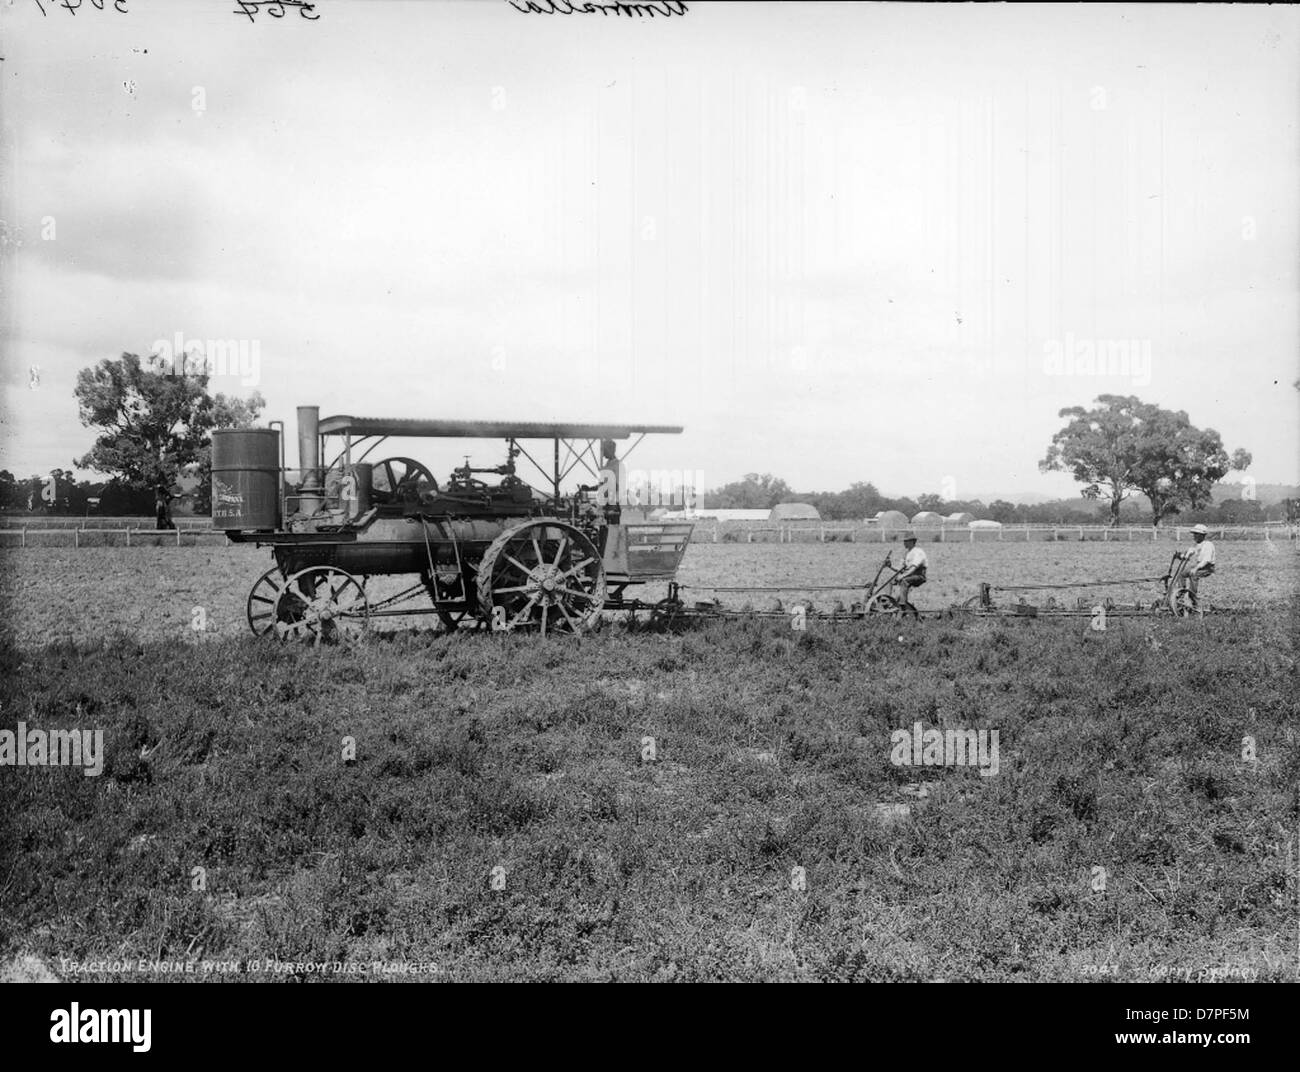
(246,478)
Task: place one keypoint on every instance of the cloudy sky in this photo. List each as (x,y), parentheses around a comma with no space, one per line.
(835,242)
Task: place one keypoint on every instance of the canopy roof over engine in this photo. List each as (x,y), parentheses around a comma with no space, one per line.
(401,426)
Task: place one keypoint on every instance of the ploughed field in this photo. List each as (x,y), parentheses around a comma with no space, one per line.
(1126,834)
(62,593)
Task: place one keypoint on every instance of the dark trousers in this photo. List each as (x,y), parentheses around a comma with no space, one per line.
(905,586)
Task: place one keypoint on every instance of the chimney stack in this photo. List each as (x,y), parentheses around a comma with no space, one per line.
(309,459)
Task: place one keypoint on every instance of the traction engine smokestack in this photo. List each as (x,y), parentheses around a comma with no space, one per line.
(309,459)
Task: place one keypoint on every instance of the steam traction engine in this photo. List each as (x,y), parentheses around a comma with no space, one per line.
(495,553)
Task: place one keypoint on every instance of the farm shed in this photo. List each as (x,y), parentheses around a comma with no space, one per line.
(962,517)
(721,514)
(794,512)
(927,517)
(891,519)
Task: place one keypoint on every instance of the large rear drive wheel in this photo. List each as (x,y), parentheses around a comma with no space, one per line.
(544,576)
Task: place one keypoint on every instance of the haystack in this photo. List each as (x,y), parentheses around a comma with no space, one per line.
(794,512)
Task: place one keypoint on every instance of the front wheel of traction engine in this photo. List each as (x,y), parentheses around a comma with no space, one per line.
(544,576)
(321,603)
(262,601)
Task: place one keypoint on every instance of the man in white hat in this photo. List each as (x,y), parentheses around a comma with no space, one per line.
(912,575)
(1200,559)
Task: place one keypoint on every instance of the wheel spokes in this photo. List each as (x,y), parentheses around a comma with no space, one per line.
(545,575)
(528,607)
(260,610)
(321,602)
(570,572)
(568,617)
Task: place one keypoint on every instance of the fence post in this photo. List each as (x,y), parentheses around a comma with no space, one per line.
(24,536)
(128,535)
(972,535)
(823,535)
(999,535)
(76,538)
(178,536)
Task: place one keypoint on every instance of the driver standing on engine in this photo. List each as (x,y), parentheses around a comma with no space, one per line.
(607,491)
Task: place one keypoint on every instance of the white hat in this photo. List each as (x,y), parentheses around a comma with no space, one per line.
(1199,530)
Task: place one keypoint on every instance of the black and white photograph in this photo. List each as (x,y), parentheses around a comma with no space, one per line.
(554,491)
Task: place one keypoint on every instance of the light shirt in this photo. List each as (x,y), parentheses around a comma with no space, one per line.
(914,558)
(1203,554)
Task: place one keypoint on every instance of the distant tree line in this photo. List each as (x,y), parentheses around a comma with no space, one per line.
(1121,448)
(154,433)
(862,500)
(60,493)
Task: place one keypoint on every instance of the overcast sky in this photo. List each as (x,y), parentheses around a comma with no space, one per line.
(835,242)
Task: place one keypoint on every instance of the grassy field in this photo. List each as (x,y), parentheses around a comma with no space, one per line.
(1121,751)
